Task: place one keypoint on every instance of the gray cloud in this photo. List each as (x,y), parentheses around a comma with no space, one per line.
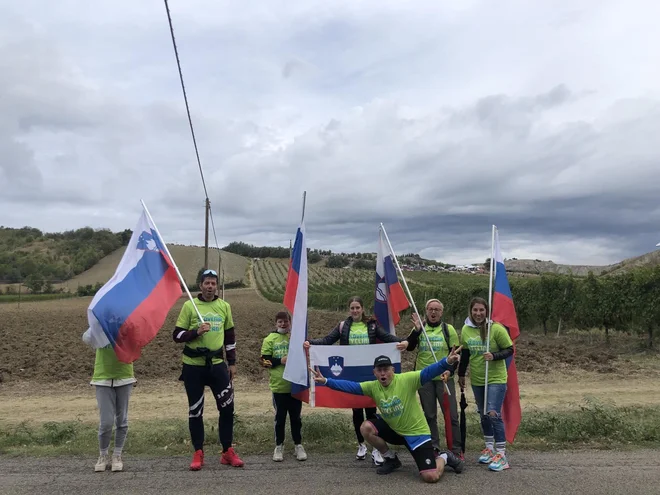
(381,114)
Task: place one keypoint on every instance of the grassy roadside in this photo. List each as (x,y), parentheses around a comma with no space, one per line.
(592,425)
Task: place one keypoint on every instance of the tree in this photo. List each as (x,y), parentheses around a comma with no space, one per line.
(34,283)
(337,261)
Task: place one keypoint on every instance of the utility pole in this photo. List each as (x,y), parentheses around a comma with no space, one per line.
(206,234)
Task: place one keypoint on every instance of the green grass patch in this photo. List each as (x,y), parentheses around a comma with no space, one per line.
(592,425)
(14,298)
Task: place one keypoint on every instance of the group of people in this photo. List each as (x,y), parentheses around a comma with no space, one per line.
(209,357)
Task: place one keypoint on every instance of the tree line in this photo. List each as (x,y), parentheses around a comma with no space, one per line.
(625,302)
(29,255)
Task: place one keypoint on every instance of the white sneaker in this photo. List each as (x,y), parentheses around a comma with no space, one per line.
(278,455)
(301,455)
(362,452)
(117,464)
(377,457)
(101,464)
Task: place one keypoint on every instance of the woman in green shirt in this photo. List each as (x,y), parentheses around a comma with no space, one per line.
(473,340)
(114,383)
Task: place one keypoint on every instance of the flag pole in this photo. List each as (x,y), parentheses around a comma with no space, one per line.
(405,284)
(490,311)
(312,383)
(183,282)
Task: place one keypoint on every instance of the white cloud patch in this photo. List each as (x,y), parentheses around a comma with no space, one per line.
(436,120)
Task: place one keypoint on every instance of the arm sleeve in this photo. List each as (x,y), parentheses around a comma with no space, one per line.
(230,337)
(345,386)
(465,360)
(267,353)
(503,354)
(384,336)
(413,339)
(274,361)
(329,339)
(453,342)
(230,345)
(433,370)
(182,335)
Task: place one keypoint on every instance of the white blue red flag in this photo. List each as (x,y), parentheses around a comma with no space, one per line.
(390,299)
(295,300)
(131,307)
(348,362)
(504,312)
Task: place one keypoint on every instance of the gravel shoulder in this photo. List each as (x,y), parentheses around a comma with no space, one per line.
(566,472)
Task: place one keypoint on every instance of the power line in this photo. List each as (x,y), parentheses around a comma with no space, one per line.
(213,227)
(185,97)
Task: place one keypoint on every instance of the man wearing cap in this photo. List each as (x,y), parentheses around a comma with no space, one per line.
(204,364)
(401,420)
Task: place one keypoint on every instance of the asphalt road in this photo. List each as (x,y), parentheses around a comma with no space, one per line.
(583,473)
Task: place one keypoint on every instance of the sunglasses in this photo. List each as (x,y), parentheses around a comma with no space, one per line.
(210,272)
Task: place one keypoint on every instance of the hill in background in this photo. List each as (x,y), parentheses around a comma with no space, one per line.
(88,257)
(539,266)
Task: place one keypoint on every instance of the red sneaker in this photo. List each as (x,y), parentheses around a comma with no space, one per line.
(198,460)
(231,457)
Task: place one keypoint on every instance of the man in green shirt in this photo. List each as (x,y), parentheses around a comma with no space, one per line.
(442,337)
(204,365)
(401,420)
(274,351)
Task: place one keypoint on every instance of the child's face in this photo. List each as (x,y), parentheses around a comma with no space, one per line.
(283,324)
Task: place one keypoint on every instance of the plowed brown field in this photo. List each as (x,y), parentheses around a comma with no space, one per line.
(41,342)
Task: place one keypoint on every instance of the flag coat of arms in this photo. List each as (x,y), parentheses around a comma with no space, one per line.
(348,362)
(390,299)
(504,312)
(131,307)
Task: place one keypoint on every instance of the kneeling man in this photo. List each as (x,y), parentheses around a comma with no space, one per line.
(401,420)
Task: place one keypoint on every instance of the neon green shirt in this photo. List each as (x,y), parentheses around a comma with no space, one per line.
(359,334)
(398,403)
(499,339)
(437,338)
(108,370)
(218,314)
(277,345)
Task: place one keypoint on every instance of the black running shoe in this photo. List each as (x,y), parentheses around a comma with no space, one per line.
(453,461)
(389,465)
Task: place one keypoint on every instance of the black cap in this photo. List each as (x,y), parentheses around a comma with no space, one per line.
(382,361)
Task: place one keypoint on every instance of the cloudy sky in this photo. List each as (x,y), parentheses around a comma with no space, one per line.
(436,118)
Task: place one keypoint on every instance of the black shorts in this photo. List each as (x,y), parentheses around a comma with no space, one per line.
(424,454)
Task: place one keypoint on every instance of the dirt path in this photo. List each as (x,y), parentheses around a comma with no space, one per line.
(564,473)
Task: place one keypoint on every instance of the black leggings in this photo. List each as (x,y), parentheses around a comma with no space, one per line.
(285,403)
(358,419)
(195,378)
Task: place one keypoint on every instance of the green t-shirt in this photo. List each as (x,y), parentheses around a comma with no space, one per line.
(437,338)
(277,345)
(499,339)
(398,403)
(218,314)
(108,367)
(359,334)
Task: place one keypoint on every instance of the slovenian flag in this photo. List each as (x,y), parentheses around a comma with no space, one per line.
(348,362)
(504,312)
(390,299)
(295,300)
(131,307)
